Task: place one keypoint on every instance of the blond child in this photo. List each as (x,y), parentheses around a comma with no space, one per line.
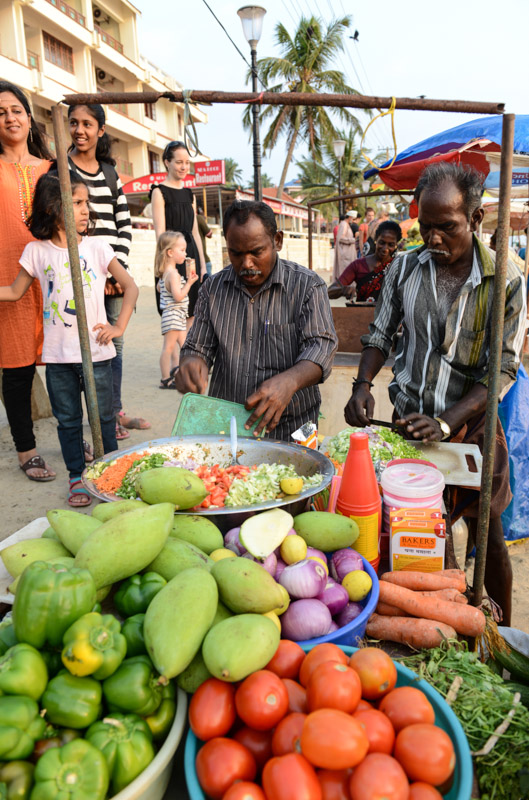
(174,301)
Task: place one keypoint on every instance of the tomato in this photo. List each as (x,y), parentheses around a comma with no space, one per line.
(287,660)
(243,790)
(376,670)
(378,776)
(259,743)
(407,706)
(424,791)
(297,696)
(221,762)
(287,735)
(261,700)
(379,730)
(212,709)
(363,705)
(332,739)
(426,753)
(290,777)
(318,655)
(334,783)
(334,685)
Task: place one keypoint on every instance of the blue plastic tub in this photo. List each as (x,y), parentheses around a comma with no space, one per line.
(444,718)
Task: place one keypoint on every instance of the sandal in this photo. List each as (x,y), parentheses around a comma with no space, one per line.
(77,490)
(174,371)
(37,462)
(88,452)
(121,432)
(167,383)
(134,423)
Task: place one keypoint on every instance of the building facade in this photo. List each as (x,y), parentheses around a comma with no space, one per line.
(51,48)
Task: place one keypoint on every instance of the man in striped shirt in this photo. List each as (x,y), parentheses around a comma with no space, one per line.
(265,326)
(442,295)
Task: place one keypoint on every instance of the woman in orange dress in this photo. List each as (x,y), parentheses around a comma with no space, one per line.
(24,157)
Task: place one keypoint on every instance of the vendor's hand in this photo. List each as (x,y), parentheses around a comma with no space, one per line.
(192,375)
(107,332)
(359,409)
(112,288)
(349,291)
(269,401)
(420,427)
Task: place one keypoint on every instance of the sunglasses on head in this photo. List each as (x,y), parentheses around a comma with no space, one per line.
(171,146)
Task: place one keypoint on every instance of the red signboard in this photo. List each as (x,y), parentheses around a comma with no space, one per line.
(143,185)
(279,207)
(208,173)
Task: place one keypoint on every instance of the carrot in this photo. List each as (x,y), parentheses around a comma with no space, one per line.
(416,633)
(467,620)
(429,581)
(386,610)
(112,476)
(446,594)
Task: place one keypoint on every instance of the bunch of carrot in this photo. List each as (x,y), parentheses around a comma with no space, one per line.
(421,608)
(217,481)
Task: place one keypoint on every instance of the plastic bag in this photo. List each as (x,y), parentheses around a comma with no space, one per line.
(514,415)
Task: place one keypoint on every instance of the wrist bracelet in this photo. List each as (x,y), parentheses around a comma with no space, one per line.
(357,381)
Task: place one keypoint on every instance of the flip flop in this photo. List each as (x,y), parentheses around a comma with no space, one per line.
(78,490)
(167,383)
(134,423)
(37,462)
(121,432)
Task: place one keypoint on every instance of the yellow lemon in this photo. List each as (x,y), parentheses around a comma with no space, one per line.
(222,552)
(286,601)
(275,619)
(320,561)
(291,485)
(358,584)
(293,549)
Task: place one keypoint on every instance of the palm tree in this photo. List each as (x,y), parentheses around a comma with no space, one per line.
(303,66)
(266,182)
(233,172)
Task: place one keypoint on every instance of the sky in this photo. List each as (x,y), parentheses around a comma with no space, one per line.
(455,49)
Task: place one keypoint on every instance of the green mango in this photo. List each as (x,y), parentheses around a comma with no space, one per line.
(176,556)
(221,614)
(65,561)
(49,533)
(126,544)
(105,511)
(171,485)
(72,527)
(194,675)
(246,587)
(238,646)
(326,531)
(18,556)
(197,530)
(177,620)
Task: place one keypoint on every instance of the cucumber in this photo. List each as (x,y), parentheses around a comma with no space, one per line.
(494,666)
(519,687)
(512,660)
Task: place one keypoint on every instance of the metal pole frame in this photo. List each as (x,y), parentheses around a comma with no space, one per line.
(340,204)
(257,182)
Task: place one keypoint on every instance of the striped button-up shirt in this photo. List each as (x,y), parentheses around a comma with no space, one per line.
(248,339)
(431,374)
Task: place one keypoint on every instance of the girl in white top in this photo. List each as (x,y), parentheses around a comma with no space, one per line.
(47,260)
(174,300)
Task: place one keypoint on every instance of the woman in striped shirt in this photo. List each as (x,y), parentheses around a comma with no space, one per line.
(90,156)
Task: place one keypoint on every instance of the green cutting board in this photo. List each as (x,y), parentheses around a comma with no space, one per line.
(209,415)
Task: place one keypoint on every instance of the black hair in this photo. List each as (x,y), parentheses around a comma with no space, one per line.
(37,145)
(169,149)
(104,145)
(240,212)
(466,179)
(389,227)
(47,215)
(342,217)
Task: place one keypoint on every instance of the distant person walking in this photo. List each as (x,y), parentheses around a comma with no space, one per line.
(205,233)
(345,248)
(369,216)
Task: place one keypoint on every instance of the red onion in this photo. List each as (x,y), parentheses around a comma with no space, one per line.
(279,568)
(303,579)
(345,561)
(269,563)
(313,553)
(334,627)
(232,542)
(350,612)
(305,619)
(334,596)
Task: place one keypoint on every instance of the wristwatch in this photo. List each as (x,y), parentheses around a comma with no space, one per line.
(445,428)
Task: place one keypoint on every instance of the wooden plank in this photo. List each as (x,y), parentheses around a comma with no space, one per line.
(351,324)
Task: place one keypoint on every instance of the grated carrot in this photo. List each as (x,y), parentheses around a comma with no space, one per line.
(112,477)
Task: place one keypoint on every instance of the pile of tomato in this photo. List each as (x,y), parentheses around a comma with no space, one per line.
(320,726)
(217,481)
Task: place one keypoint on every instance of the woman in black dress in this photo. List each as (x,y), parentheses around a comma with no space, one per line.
(174,209)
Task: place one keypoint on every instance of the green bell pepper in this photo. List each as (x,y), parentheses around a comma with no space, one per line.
(132,630)
(126,742)
(49,598)
(77,771)
(135,687)
(161,721)
(72,702)
(16,780)
(23,671)
(53,737)
(93,645)
(7,635)
(135,594)
(53,661)
(20,727)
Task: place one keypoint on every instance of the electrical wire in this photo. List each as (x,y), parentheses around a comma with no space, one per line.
(228,35)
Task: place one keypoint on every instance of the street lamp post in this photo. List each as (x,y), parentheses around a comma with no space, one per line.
(252,23)
(339,150)
(365,188)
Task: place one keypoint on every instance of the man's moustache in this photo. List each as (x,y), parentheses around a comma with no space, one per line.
(250,272)
(438,252)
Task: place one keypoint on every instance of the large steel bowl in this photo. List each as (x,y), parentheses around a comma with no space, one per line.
(251,451)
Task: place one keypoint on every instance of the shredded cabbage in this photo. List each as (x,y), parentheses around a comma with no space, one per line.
(384,444)
(262,484)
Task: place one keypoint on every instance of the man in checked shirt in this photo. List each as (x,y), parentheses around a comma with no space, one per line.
(442,295)
(265,326)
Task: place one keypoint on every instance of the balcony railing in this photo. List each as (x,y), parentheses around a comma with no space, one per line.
(69,11)
(124,167)
(33,60)
(108,39)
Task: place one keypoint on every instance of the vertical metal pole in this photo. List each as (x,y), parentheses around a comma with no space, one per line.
(205,202)
(310,235)
(220,207)
(340,202)
(77,279)
(496,344)
(257,186)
